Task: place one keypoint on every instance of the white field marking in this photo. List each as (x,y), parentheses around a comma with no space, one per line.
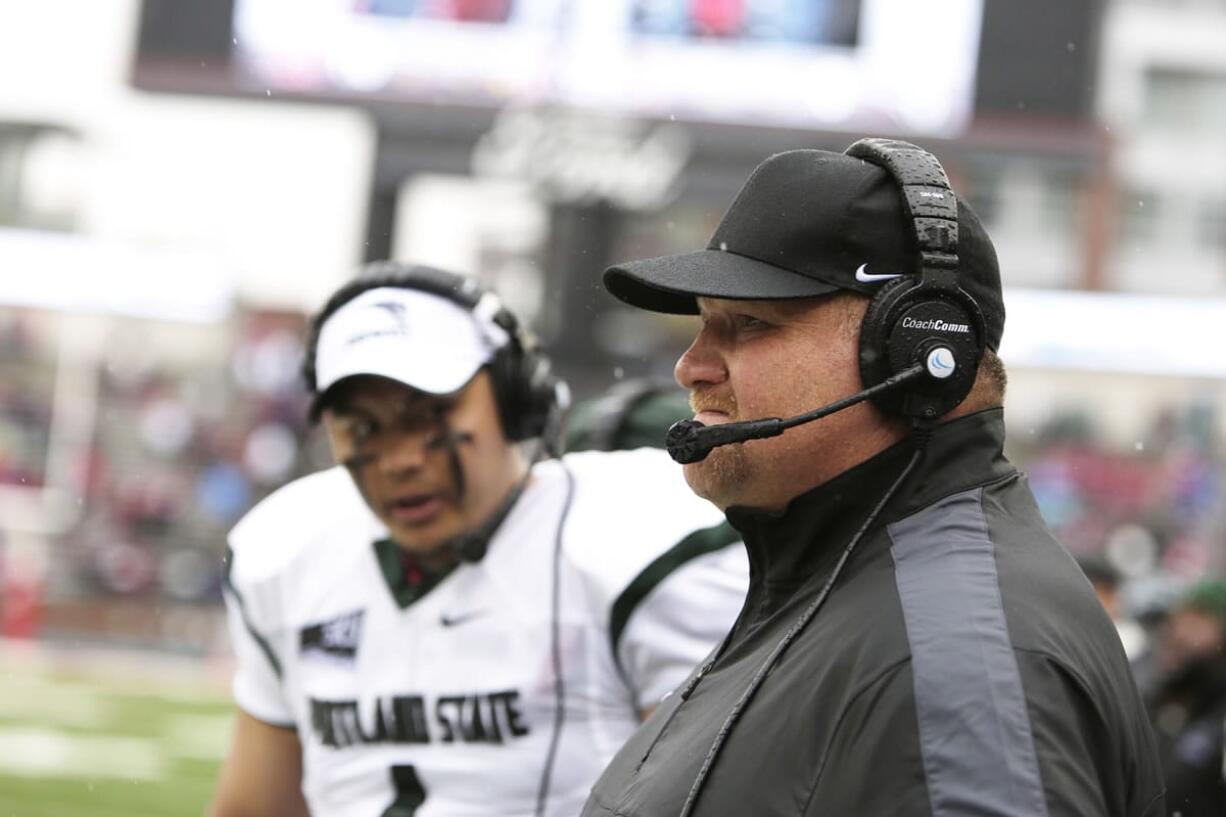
(52,702)
(183,694)
(45,753)
(168,677)
(203,737)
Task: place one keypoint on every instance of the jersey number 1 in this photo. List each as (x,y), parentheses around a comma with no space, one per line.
(409,793)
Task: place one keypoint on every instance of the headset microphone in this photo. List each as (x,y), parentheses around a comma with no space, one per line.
(691,441)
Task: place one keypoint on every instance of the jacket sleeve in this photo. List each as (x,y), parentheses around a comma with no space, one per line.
(1095,752)
(879,762)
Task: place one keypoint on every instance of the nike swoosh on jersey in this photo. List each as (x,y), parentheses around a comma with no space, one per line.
(460,618)
(871,278)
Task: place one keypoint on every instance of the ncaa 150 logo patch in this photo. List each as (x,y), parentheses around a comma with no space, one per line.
(336,638)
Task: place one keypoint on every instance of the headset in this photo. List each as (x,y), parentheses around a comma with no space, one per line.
(901,324)
(531,399)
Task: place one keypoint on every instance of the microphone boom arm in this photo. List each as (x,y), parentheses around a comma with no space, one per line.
(889,384)
(691,441)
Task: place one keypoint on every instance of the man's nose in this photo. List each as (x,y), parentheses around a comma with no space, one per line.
(406,452)
(700,365)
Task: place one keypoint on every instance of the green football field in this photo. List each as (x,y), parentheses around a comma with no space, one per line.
(76,742)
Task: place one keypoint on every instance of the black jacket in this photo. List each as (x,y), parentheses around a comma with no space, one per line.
(961,664)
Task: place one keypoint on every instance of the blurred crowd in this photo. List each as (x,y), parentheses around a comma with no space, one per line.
(25,405)
(182,445)
(1156,507)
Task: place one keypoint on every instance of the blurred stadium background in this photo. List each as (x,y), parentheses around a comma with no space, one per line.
(181,182)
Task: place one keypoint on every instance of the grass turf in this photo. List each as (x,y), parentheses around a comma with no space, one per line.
(73,743)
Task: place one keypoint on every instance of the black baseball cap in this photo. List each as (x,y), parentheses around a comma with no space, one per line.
(808,223)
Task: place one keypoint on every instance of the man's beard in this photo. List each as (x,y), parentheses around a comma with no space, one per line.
(718,477)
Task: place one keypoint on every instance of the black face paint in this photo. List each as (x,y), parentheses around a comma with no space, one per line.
(356,464)
(471,545)
(452,440)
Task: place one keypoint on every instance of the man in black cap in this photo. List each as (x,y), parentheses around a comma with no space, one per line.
(914,640)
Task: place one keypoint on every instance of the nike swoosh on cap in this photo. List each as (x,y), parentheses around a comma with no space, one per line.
(872,278)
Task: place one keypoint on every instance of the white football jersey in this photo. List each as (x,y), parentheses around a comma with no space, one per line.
(450,704)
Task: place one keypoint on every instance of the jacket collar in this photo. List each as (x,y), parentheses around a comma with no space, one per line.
(806,538)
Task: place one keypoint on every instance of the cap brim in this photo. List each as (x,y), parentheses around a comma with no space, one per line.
(672,283)
(452,382)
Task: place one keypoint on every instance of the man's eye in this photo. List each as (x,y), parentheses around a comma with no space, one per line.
(749,322)
(362,429)
(424,414)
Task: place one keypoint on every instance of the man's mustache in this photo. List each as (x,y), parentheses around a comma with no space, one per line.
(723,402)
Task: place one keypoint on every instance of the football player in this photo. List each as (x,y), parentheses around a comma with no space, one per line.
(443,624)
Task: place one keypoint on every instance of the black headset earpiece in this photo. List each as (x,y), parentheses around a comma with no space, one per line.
(923,317)
(531,399)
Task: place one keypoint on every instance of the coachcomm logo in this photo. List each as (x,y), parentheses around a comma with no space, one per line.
(934,324)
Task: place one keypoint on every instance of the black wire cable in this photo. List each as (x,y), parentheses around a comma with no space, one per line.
(921,437)
(555,636)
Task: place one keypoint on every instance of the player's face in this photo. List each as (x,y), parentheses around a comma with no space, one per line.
(755,359)
(430,467)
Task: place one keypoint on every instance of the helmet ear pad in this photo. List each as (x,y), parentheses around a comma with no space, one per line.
(909,318)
